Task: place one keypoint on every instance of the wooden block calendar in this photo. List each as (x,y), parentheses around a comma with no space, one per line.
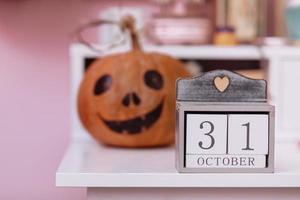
(223,124)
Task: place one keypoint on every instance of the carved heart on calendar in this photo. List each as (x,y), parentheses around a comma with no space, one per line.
(221,83)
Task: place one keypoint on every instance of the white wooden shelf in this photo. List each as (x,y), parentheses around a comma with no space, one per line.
(88,164)
(240,52)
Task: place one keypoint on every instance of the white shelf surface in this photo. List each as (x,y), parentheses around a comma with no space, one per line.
(240,52)
(88,164)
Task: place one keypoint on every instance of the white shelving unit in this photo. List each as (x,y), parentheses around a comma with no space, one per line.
(115,173)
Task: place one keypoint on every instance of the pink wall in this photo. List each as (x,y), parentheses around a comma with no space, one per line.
(34,91)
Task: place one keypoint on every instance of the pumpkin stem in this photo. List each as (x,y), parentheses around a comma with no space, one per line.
(128,23)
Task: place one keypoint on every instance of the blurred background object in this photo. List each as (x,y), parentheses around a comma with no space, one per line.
(182,22)
(243,16)
(292,20)
(225,36)
(108,33)
(193,22)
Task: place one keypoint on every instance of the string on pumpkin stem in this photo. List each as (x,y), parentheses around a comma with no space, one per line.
(127,23)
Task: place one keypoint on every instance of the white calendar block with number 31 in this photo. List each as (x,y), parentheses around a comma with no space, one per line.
(224,128)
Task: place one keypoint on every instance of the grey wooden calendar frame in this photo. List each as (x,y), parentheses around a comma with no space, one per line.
(182,107)
(239,94)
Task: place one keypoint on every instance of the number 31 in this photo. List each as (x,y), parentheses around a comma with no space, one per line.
(212,139)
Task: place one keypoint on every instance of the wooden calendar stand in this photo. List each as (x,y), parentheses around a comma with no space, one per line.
(224,124)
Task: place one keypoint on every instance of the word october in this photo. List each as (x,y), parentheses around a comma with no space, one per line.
(220,161)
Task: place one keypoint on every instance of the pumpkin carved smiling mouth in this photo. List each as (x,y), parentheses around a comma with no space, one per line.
(135,125)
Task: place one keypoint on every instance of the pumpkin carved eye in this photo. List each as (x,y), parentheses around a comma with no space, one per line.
(153,79)
(103,84)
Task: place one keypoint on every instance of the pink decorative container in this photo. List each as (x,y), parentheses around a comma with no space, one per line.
(180,30)
(182,22)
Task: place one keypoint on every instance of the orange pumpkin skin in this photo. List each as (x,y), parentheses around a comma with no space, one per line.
(135,105)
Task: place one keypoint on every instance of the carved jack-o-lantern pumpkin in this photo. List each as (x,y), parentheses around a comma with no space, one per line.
(128,99)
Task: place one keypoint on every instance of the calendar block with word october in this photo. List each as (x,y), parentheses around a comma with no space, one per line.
(223,124)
